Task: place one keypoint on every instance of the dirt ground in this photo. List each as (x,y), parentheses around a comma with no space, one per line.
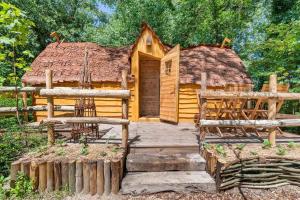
(230,152)
(70,151)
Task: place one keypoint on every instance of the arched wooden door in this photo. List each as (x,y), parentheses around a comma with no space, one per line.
(169,85)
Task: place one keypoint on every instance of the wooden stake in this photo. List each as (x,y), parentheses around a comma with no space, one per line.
(50,106)
(34,174)
(86,177)
(25,167)
(272,108)
(42,176)
(50,176)
(93,177)
(100,177)
(15,168)
(107,178)
(115,176)
(57,175)
(65,174)
(72,176)
(124,86)
(79,173)
(24,101)
(203,103)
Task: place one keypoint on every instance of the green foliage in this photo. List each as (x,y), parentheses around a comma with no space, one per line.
(115,149)
(103,153)
(281,150)
(240,146)
(23,186)
(14,145)
(266,144)
(291,145)
(3,191)
(60,151)
(84,150)
(207,146)
(184,22)
(15,30)
(254,153)
(220,150)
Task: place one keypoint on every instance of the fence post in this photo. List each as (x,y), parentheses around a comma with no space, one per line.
(203,103)
(272,108)
(50,110)
(24,100)
(124,86)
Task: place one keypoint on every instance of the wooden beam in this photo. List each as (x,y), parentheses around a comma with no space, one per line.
(35,108)
(250,95)
(251,123)
(125,131)
(272,108)
(20,89)
(50,110)
(89,120)
(203,103)
(69,92)
(24,101)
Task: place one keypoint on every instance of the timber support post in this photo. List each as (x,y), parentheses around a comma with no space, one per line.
(124,86)
(24,101)
(50,112)
(203,104)
(272,108)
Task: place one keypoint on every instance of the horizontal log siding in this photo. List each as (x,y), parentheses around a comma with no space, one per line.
(188,105)
(106,107)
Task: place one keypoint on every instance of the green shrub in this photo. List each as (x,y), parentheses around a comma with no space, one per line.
(220,150)
(23,187)
(281,150)
(266,144)
(291,145)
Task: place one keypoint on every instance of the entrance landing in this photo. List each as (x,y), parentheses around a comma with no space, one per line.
(156,137)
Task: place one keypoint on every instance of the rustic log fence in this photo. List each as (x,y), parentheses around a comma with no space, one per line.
(253,172)
(51,93)
(87,176)
(272,96)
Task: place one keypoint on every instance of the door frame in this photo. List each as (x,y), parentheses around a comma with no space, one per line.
(151,57)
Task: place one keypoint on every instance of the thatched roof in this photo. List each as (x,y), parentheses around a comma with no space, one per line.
(222,65)
(66,60)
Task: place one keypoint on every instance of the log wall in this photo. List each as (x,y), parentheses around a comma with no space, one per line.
(88,176)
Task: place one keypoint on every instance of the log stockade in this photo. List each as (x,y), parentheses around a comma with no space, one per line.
(253,172)
(89,176)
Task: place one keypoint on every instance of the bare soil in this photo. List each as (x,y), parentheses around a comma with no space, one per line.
(72,151)
(231,151)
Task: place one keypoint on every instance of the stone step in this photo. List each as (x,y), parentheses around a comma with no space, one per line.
(164,162)
(178,181)
(164,149)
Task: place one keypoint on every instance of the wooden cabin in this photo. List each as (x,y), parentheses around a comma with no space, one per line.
(162,79)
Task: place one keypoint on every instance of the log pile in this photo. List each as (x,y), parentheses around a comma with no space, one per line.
(253,172)
(87,176)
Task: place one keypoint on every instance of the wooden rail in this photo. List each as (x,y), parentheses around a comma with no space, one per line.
(20,89)
(34,109)
(90,120)
(68,92)
(251,123)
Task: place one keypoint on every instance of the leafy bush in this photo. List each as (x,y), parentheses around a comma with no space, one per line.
(14,145)
(266,144)
(23,186)
(220,150)
(291,145)
(281,150)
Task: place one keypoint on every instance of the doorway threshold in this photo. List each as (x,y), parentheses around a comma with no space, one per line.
(149,119)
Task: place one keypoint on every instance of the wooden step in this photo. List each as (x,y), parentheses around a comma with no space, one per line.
(164,162)
(164,149)
(177,181)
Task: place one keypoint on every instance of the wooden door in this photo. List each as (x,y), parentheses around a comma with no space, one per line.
(169,85)
(149,88)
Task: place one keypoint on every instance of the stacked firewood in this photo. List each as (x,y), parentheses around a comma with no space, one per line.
(258,173)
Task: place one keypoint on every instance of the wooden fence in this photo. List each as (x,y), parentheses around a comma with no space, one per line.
(52,93)
(272,97)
